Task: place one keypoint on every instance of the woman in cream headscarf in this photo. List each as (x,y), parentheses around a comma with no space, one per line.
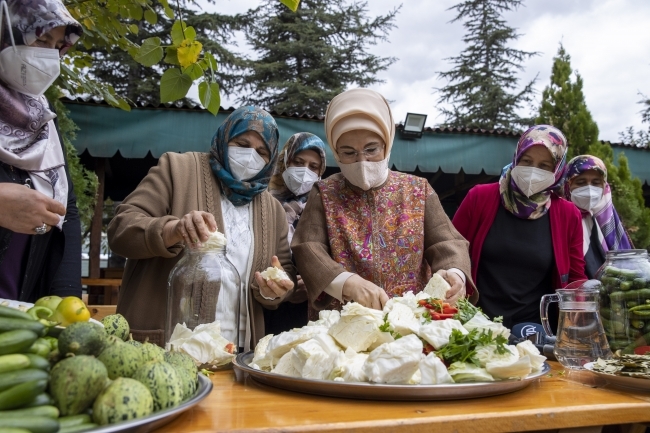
(370,233)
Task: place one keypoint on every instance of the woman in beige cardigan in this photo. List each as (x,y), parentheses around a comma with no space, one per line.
(369,233)
(183,199)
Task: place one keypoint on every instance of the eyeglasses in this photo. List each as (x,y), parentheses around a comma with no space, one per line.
(369,153)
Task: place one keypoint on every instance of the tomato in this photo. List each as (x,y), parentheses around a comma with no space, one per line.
(50,302)
(642,350)
(70,310)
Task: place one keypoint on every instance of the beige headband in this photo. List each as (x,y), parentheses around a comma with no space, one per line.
(359,109)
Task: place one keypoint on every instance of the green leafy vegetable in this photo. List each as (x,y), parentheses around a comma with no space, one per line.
(465,311)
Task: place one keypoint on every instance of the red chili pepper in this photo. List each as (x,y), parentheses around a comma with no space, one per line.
(422,302)
(450,310)
(441,316)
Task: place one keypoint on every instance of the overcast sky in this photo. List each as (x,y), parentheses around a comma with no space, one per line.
(608,40)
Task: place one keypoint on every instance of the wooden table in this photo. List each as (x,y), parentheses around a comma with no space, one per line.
(558,401)
(111,287)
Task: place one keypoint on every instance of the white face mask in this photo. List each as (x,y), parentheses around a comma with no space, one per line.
(532,180)
(299,180)
(587,197)
(28,70)
(366,174)
(245,162)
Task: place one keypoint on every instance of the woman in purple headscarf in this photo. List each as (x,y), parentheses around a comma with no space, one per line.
(40,245)
(602,230)
(525,241)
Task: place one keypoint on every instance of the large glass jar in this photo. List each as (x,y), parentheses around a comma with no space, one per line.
(625,299)
(194,284)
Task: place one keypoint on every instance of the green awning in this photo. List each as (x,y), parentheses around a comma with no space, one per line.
(103,131)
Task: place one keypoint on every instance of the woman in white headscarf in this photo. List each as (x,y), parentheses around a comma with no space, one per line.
(40,245)
(370,233)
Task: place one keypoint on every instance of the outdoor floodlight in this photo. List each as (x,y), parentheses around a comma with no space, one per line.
(413,125)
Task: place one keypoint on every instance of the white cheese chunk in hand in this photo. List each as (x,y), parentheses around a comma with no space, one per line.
(433,371)
(437,287)
(394,362)
(275,274)
(437,332)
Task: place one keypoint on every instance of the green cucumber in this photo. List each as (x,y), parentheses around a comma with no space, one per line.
(13,378)
(11,324)
(21,394)
(39,362)
(35,424)
(43,399)
(14,430)
(14,361)
(16,341)
(46,410)
(14,313)
(73,420)
(78,428)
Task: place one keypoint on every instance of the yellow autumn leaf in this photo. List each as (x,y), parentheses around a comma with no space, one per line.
(188,52)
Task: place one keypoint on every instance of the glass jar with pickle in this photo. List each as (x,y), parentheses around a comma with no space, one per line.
(625,299)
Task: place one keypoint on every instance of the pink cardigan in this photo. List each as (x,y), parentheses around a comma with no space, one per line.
(476,214)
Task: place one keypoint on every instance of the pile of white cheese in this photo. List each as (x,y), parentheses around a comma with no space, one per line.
(350,347)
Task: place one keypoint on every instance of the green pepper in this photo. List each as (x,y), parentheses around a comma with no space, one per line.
(638,308)
(626,285)
(41,314)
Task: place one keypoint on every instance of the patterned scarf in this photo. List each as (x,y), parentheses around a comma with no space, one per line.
(28,138)
(242,120)
(536,205)
(610,228)
(294,205)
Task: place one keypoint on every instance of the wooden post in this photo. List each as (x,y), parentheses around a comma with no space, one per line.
(96,224)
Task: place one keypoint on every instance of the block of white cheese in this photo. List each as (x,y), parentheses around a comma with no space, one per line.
(348,367)
(261,358)
(326,318)
(312,361)
(527,348)
(437,287)
(433,371)
(275,274)
(394,362)
(402,320)
(358,327)
(437,332)
(285,366)
(284,342)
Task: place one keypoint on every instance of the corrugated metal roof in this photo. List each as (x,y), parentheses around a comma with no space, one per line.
(105,130)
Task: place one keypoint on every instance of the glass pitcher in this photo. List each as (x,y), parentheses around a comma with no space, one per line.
(625,299)
(194,285)
(580,334)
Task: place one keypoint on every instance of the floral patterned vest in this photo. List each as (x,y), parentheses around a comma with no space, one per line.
(379,234)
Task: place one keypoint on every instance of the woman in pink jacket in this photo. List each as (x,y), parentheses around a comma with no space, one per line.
(525,241)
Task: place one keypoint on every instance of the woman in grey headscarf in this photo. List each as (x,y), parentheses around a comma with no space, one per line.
(40,247)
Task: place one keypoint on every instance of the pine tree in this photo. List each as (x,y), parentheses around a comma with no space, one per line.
(563,106)
(639,138)
(306,58)
(482,86)
(141,84)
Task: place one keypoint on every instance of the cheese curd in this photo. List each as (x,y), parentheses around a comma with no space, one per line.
(275,274)
(394,362)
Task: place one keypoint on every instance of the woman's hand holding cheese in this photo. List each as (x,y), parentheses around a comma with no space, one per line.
(192,228)
(364,292)
(276,285)
(457,289)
